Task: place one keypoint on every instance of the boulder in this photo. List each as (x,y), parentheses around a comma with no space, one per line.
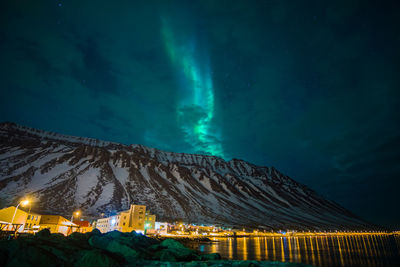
(96,249)
(139,241)
(116,243)
(118,248)
(34,256)
(99,242)
(78,236)
(96,258)
(58,235)
(179,251)
(95,231)
(133,233)
(114,234)
(61,252)
(166,255)
(3,257)
(210,257)
(43,233)
(171,243)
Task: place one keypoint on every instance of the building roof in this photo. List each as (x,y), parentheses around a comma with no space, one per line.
(82,223)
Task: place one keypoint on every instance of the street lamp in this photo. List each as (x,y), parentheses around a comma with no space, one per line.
(76,213)
(23,203)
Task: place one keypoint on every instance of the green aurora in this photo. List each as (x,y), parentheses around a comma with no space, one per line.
(196,108)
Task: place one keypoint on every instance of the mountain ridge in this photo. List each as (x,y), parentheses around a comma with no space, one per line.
(66,172)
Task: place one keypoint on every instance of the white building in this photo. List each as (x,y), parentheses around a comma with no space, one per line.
(124,221)
(161,228)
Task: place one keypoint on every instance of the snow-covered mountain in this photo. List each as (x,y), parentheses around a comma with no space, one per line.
(64,173)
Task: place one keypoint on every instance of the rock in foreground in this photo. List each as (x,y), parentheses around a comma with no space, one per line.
(110,249)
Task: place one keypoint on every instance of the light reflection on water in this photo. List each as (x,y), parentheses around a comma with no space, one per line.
(345,250)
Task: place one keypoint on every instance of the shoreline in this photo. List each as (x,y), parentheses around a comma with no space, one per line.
(208,238)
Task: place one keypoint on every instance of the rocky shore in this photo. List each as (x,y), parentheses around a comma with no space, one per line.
(110,249)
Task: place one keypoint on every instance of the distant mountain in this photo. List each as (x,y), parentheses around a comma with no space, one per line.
(64,173)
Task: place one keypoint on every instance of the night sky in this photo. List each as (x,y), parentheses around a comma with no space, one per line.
(309,87)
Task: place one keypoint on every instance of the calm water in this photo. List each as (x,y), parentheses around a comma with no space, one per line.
(368,250)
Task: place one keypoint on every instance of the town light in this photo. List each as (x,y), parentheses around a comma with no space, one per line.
(23,203)
(76,214)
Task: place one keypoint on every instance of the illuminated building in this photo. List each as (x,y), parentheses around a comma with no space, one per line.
(7,215)
(124,221)
(150,221)
(57,224)
(84,226)
(161,228)
(32,223)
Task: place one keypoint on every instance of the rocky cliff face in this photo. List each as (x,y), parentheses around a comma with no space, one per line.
(64,173)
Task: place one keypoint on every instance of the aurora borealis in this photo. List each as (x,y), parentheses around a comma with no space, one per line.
(196,90)
(311,88)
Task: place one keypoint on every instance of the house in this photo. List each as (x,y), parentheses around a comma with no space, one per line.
(57,224)
(32,223)
(161,228)
(124,221)
(15,216)
(84,226)
(149,223)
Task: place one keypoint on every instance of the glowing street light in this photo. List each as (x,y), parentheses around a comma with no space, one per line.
(76,214)
(23,203)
